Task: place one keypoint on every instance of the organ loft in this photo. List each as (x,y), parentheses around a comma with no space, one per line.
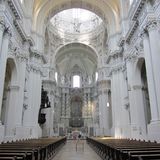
(79,73)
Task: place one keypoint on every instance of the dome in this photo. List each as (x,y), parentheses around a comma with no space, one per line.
(75,21)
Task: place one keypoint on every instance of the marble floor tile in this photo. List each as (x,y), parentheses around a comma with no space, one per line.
(83,152)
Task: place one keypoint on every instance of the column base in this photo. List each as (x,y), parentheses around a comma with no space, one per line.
(138,132)
(154,131)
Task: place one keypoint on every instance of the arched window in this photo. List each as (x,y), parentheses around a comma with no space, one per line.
(76,81)
(131,1)
(56,76)
(96,76)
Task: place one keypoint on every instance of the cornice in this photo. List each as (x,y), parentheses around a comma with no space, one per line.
(115,54)
(17,22)
(131,31)
(19,29)
(23,35)
(121,42)
(14,9)
(137,9)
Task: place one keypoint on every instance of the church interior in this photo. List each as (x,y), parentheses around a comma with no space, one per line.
(79,67)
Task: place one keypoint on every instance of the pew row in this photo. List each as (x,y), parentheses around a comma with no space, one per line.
(125,149)
(33,149)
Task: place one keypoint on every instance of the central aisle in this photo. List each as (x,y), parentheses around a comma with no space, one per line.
(68,152)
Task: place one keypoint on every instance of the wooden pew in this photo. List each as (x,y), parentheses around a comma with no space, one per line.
(35,149)
(7,158)
(19,156)
(124,149)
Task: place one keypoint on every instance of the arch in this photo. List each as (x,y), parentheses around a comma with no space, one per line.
(141,84)
(12,64)
(73,54)
(59,52)
(79,45)
(76,81)
(8,96)
(137,72)
(107,10)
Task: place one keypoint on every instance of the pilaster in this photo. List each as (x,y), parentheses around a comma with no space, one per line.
(3,61)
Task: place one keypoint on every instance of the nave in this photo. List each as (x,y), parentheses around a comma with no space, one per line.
(84,152)
(59,148)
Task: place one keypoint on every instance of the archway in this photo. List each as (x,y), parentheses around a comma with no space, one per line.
(9,93)
(142,97)
(145,93)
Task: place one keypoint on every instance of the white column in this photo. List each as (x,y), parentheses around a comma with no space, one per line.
(89,104)
(21,83)
(118,104)
(3,61)
(103,109)
(138,124)
(101,114)
(36,99)
(2,28)
(67,103)
(107,112)
(154,38)
(133,107)
(63,104)
(12,104)
(125,130)
(150,78)
(114,104)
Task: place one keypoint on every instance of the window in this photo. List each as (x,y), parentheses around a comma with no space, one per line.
(56,76)
(89,80)
(108,104)
(76,81)
(96,76)
(131,1)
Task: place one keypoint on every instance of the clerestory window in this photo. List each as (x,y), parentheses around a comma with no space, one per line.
(76,81)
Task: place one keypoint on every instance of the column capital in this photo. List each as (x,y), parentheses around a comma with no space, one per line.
(151,25)
(8,32)
(143,34)
(2,25)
